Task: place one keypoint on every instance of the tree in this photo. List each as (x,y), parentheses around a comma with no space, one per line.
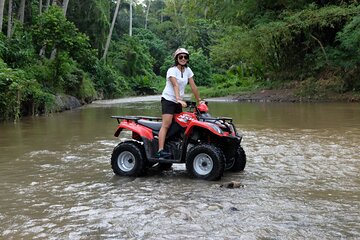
(65,6)
(2,3)
(47,4)
(40,6)
(9,27)
(130,17)
(22,11)
(94,20)
(111,29)
(147,14)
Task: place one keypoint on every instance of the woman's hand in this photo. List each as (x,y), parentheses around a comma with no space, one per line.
(183,104)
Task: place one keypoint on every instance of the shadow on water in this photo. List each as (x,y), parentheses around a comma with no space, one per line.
(301,179)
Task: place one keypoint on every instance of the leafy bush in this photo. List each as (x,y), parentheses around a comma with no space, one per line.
(108,82)
(142,85)
(349,39)
(131,57)
(18,90)
(201,67)
(87,91)
(155,45)
(53,31)
(18,51)
(133,60)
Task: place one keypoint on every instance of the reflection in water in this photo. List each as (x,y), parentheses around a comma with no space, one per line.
(301,180)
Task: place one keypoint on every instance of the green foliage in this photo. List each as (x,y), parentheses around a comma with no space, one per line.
(131,57)
(54,31)
(133,60)
(236,50)
(349,54)
(169,33)
(63,73)
(108,82)
(143,85)
(155,46)
(200,34)
(42,72)
(224,85)
(235,46)
(17,89)
(201,67)
(91,17)
(289,47)
(87,90)
(18,51)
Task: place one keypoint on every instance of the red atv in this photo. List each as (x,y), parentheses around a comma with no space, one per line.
(209,146)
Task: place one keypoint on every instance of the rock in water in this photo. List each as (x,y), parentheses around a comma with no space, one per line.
(232,184)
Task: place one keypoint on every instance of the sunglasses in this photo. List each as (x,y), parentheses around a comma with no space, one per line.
(181,57)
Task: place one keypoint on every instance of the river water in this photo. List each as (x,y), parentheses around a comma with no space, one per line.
(301,180)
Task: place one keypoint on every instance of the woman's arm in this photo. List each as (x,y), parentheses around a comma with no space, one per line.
(194,89)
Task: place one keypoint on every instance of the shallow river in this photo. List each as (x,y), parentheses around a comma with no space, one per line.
(302,179)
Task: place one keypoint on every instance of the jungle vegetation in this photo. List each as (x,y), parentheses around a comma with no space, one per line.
(94,49)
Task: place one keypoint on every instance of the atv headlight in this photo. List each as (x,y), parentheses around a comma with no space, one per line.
(216,128)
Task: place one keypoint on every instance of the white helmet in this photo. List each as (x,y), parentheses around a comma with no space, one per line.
(179,51)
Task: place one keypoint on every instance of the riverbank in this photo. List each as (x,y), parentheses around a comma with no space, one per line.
(286,95)
(282,95)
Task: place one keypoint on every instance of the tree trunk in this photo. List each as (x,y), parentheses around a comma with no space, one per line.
(65,6)
(131,18)
(47,5)
(2,3)
(18,106)
(147,14)
(42,51)
(40,7)
(9,27)
(53,54)
(22,11)
(176,18)
(111,29)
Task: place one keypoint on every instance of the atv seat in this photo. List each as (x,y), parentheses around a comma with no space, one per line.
(150,124)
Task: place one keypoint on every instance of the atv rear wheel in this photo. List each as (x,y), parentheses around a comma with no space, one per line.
(127,159)
(205,161)
(237,162)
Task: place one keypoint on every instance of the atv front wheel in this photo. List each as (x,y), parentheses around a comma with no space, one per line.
(205,161)
(237,162)
(127,159)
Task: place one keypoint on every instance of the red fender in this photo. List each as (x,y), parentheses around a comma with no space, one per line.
(208,126)
(134,127)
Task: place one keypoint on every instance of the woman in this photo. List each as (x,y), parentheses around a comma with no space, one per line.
(177,77)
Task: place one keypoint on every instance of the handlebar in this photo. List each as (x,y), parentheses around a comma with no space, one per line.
(193,104)
(190,104)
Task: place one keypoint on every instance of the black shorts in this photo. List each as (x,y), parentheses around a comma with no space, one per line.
(169,107)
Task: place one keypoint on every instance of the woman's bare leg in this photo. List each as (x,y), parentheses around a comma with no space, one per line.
(166,122)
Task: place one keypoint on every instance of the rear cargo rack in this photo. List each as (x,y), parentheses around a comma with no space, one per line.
(136,118)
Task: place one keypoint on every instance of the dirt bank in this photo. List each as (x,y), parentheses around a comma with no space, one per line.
(286,95)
